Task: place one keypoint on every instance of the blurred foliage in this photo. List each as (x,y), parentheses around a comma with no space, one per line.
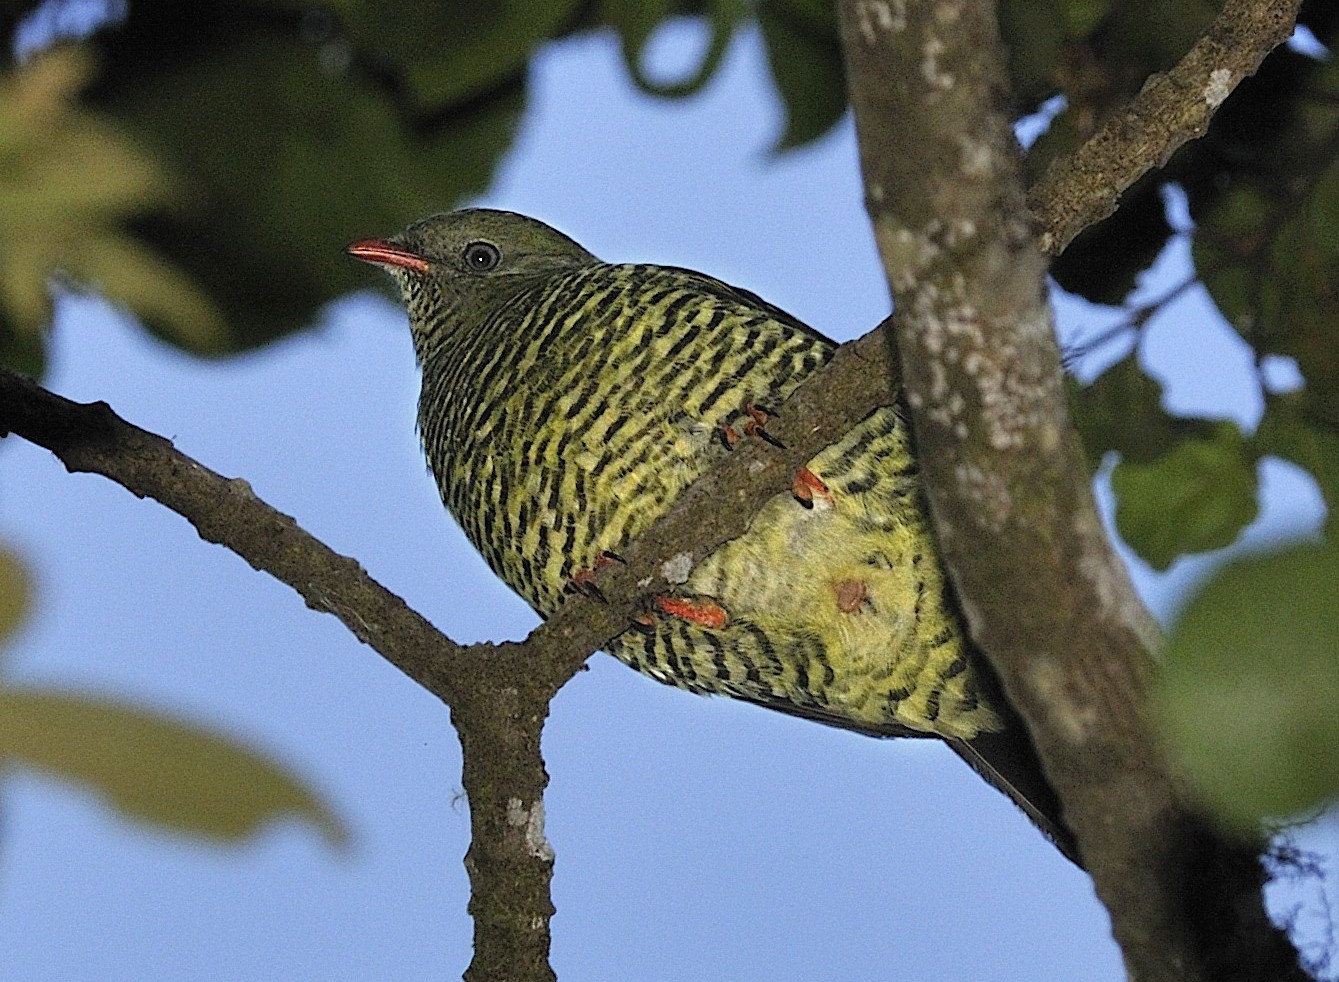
(203,164)
(170,774)
(804,55)
(1267,236)
(16,589)
(1288,430)
(266,133)
(1197,496)
(293,144)
(448,52)
(1122,410)
(68,183)
(635,21)
(1251,683)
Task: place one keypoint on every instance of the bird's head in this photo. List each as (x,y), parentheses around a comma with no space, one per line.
(465,262)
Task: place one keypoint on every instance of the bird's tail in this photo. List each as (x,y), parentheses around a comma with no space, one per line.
(1008,761)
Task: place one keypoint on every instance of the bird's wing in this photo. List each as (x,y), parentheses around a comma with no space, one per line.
(736,294)
(1008,761)
(820,715)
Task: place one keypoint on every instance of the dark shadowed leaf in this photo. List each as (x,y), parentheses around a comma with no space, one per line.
(22,351)
(636,20)
(805,58)
(70,181)
(451,51)
(1196,497)
(1322,18)
(1122,410)
(1147,37)
(1281,294)
(1104,262)
(1288,431)
(155,769)
(1251,682)
(1267,244)
(16,592)
(288,157)
(1082,16)
(1035,34)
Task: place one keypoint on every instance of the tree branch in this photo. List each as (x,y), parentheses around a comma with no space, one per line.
(91,438)
(719,505)
(499,706)
(1173,108)
(1046,598)
(498,693)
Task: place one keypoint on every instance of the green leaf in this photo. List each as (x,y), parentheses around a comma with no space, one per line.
(1267,239)
(1322,19)
(1278,283)
(1122,410)
(70,181)
(1289,431)
(286,160)
(23,351)
(450,51)
(805,58)
(636,20)
(1249,692)
(1196,497)
(16,592)
(155,769)
(1035,38)
(1083,16)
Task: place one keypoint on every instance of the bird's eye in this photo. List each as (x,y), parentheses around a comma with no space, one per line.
(480,257)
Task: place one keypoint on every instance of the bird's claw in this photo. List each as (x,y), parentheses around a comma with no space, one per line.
(807,487)
(583,580)
(756,426)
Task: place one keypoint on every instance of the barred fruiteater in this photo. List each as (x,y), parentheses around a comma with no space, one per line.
(567,402)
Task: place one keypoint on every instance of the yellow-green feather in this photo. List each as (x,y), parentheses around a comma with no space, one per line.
(567,403)
(605,402)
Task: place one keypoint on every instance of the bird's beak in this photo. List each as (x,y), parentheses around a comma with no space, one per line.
(383,253)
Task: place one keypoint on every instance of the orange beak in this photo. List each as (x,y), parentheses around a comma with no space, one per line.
(382,253)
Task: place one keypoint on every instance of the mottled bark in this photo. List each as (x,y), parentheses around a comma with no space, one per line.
(1046,597)
(948,246)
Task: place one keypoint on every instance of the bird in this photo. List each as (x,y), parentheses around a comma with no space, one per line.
(567,402)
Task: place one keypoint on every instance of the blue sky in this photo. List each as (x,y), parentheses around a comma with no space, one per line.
(695,838)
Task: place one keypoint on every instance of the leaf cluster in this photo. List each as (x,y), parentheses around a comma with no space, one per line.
(200,164)
(153,768)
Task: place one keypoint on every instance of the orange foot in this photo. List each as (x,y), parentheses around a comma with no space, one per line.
(707,613)
(756,426)
(583,580)
(807,486)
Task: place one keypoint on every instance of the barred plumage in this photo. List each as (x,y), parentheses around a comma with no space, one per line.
(567,403)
